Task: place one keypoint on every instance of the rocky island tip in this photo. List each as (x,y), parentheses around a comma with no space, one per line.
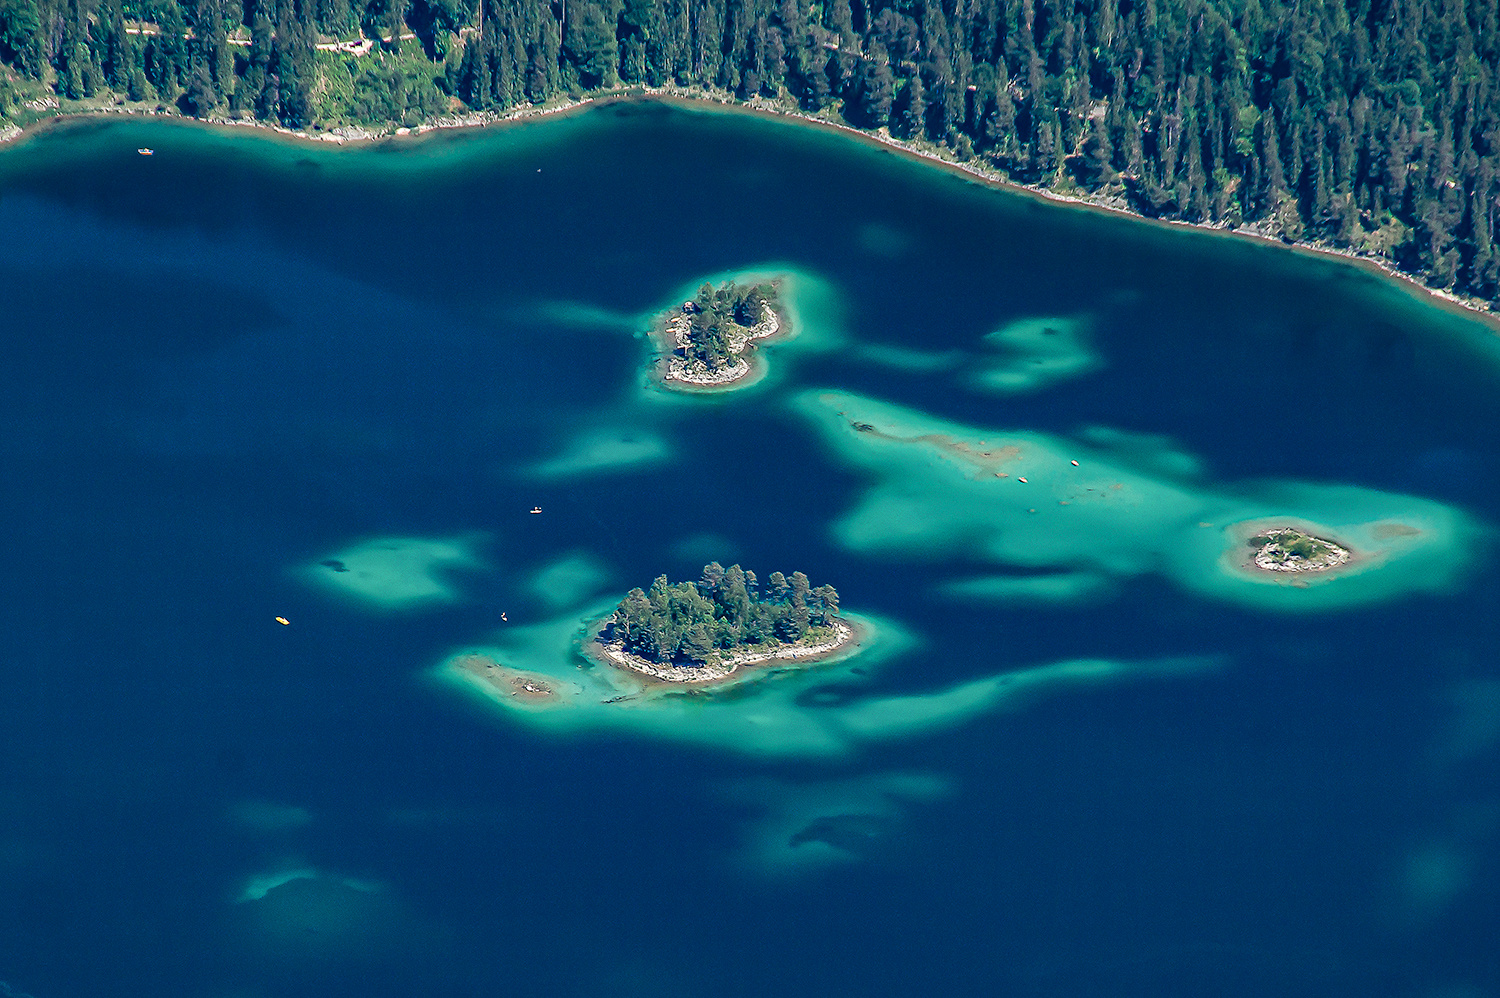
(1289,550)
(1296,552)
(707,631)
(527,688)
(708,342)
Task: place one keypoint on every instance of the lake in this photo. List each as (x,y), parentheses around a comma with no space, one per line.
(246,378)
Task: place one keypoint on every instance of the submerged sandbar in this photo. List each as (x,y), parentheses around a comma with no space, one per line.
(518,685)
(1114,505)
(781,709)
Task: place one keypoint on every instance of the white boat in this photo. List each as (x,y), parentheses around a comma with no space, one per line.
(146,152)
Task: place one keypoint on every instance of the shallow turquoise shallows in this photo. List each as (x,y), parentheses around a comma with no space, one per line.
(296,435)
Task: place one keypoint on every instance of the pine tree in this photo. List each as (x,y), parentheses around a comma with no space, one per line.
(1097,166)
(910,108)
(874,89)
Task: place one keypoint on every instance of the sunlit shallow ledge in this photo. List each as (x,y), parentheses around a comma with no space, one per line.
(604,451)
(1116,506)
(395,573)
(257,887)
(1396,544)
(628,678)
(542,676)
(538,676)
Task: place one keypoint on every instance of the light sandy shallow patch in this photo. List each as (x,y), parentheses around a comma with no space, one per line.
(700,549)
(810,825)
(580,315)
(306,916)
(569,580)
(1019,500)
(772,712)
(1035,353)
(1149,453)
(269,816)
(1430,880)
(395,573)
(258,886)
(880,239)
(1051,587)
(516,687)
(604,451)
(1397,544)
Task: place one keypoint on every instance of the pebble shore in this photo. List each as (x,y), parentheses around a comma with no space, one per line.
(724,668)
(696,372)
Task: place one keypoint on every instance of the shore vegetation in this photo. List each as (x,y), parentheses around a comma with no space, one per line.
(1364,127)
(707,339)
(725,614)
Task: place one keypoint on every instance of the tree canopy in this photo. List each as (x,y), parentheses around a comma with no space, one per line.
(718,318)
(726,609)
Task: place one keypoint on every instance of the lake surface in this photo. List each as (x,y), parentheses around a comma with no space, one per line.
(239,358)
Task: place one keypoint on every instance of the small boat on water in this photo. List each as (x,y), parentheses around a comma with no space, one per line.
(146,152)
(536,509)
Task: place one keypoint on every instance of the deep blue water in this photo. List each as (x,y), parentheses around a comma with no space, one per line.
(237,355)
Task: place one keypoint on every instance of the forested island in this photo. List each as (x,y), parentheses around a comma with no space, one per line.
(705,630)
(705,342)
(1370,126)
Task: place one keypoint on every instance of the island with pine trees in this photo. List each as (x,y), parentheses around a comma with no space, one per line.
(707,342)
(704,631)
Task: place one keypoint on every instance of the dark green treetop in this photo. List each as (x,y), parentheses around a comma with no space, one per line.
(726,609)
(717,316)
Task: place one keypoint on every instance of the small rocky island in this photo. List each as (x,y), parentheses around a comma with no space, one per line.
(696,632)
(707,341)
(1287,549)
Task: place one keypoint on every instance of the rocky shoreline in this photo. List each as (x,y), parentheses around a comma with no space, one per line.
(696,373)
(614,653)
(1290,550)
(338,135)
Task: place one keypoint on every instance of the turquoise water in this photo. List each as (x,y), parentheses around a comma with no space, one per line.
(1083,754)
